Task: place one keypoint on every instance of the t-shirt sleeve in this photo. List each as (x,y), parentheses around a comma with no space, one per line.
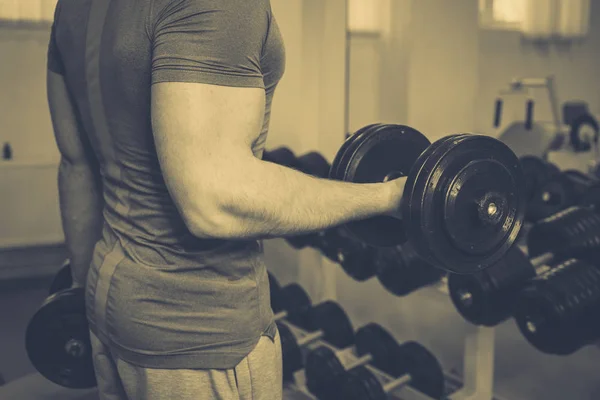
(54,62)
(207,41)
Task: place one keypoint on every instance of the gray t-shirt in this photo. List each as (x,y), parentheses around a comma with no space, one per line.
(159,296)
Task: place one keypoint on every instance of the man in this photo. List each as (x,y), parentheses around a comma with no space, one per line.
(160,110)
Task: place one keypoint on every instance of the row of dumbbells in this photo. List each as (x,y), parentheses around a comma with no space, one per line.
(550,190)
(339,362)
(551,288)
(398,269)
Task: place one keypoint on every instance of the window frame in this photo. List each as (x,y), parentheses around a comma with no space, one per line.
(487,20)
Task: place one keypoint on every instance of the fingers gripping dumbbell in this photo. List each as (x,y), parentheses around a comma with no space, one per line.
(557,312)
(488,297)
(326,368)
(328,322)
(463,201)
(58,343)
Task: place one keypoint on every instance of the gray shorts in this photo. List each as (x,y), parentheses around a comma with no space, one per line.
(257,377)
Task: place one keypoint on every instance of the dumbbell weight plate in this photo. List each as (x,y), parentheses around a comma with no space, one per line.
(384,149)
(281,156)
(557,311)
(464,204)
(343,153)
(63,279)
(401,271)
(296,302)
(536,171)
(329,317)
(478,297)
(57,340)
(373,339)
(554,195)
(591,198)
(427,375)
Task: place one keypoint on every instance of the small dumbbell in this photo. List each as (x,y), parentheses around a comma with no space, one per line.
(63,278)
(57,340)
(557,312)
(328,321)
(356,258)
(488,297)
(362,384)
(375,346)
(401,271)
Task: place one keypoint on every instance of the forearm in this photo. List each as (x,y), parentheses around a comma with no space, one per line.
(81,206)
(263,200)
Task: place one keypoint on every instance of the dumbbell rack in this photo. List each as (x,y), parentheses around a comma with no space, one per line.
(478,370)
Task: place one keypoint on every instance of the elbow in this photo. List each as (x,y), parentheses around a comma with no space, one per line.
(210,224)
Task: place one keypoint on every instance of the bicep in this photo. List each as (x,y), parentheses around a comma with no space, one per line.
(67,131)
(202,133)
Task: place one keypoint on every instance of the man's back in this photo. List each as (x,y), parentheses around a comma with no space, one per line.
(150,277)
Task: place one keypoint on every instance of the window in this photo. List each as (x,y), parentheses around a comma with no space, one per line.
(501,14)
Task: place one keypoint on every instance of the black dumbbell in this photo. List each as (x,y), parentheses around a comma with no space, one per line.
(375,346)
(401,271)
(313,163)
(281,156)
(328,322)
(489,297)
(415,367)
(573,231)
(559,192)
(456,226)
(292,303)
(536,171)
(552,196)
(57,340)
(63,278)
(558,311)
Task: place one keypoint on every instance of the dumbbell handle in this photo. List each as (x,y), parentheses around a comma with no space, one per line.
(396,383)
(309,338)
(359,361)
(280,315)
(541,262)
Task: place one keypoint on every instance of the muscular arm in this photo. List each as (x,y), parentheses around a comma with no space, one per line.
(78,181)
(223,191)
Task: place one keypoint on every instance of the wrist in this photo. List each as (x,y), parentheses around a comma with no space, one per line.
(394,190)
